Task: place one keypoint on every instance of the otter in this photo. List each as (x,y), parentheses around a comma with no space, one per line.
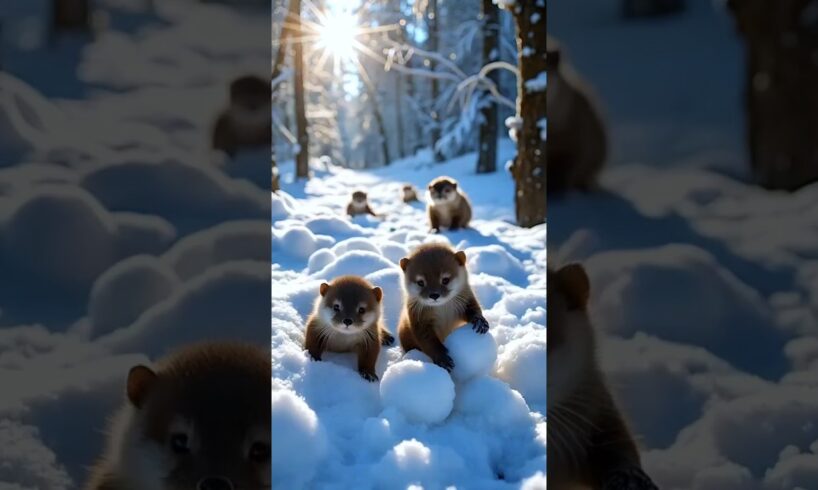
(589,443)
(577,144)
(408,193)
(358,204)
(438,300)
(199,420)
(247,120)
(448,206)
(347,318)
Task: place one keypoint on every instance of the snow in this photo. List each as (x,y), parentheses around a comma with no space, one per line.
(295,424)
(480,426)
(538,83)
(421,391)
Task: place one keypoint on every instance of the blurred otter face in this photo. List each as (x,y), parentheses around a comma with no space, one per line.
(443,191)
(208,431)
(350,309)
(359,197)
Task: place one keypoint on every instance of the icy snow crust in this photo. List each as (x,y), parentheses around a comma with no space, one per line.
(483,425)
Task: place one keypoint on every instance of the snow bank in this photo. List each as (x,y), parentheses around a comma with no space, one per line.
(300,441)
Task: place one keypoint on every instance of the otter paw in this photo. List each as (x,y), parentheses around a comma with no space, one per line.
(387,338)
(445,361)
(479,324)
(371,377)
(629,479)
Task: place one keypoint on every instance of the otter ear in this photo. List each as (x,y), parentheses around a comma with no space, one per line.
(323,288)
(404,263)
(140,380)
(577,287)
(461,257)
(378,292)
(430,187)
(454,185)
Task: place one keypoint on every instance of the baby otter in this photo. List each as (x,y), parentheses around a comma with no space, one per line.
(577,142)
(448,207)
(408,193)
(358,204)
(200,420)
(589,442)
(438,300)
(247,120)
(347,318)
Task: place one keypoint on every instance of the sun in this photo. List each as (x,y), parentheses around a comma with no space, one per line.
(338,33)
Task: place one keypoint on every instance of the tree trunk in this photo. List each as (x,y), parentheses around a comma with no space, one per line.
(276,184)
(782,103)
(487,153)
(302,158)
(432,20)
(529,166)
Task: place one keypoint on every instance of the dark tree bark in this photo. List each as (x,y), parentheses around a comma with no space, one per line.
(487,153)
(651,8)
(781,100)
(529,168)
(276,183)
(302,158)
(432,21)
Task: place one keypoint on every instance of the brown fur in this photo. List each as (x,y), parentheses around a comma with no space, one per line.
(577,144)
(408,193)
(358,204)
(425,327)
(349,293)
(221,392)
(589,443)
(71,15)
(248,95)
(454,214)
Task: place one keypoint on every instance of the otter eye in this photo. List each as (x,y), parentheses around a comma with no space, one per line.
(445,281)
(259,452)
(361,311)
(336,307)
(179,443)
(422,283)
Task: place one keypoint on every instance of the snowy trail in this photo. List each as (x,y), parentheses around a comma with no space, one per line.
(481,427)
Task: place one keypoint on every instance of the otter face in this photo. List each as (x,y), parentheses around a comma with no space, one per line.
(349,307)
(359,197)
(435,276)
(203,427)
(570,347)
(250,102)
(443,190)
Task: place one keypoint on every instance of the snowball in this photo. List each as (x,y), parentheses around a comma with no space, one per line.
(473,353)
(294,425)
(422,392)
(320,259)
(492,401)
(413,463)
(522,365)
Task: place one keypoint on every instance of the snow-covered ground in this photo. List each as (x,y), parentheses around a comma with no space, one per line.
(704,288)
(120,240)
(483,426)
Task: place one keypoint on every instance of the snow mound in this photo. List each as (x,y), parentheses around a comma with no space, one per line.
(355,262)
(422,392)
(295,425)
(522,364)
(473,353)
(493,402)
(411,464)
(495,260)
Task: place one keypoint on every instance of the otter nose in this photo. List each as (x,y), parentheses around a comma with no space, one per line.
(347,321)
(434,296)
(214,483)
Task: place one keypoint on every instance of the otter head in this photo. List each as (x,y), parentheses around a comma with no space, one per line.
(443,190)
(349,304)
(434,274)
(570,336)
(250,101)
(359,197)
(201,421)
(408,190)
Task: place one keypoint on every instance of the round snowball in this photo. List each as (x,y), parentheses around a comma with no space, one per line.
(523,366)
(295,424)
(422,392)
(473,353)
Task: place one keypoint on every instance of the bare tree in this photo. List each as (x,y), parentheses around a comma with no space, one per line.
(487,151)
(302,158)
(372,93)
(781,101)
(529,168)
